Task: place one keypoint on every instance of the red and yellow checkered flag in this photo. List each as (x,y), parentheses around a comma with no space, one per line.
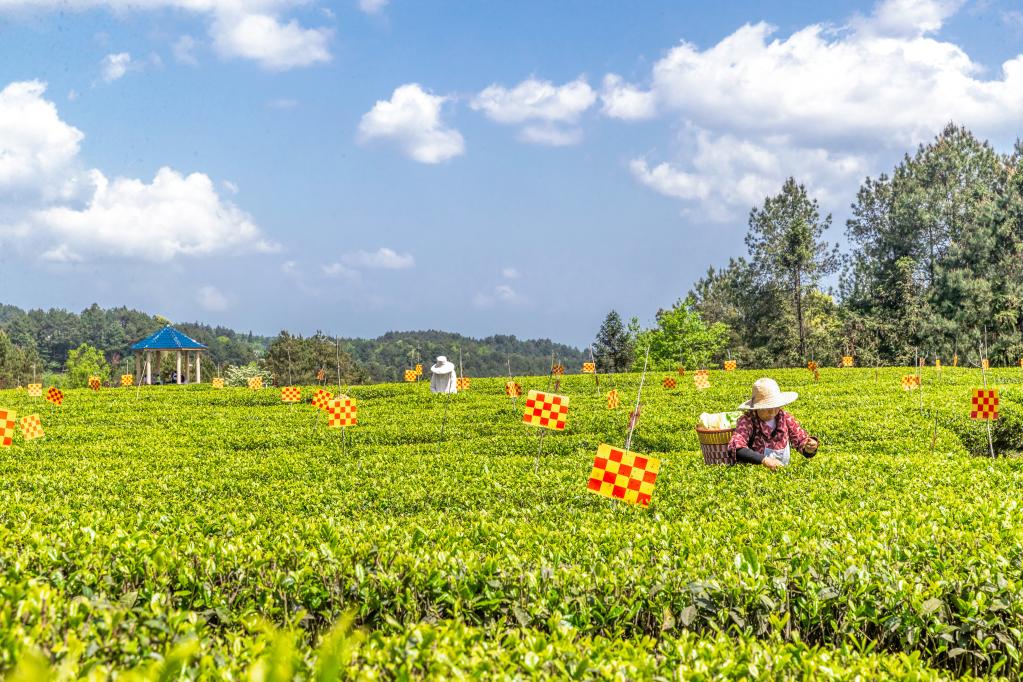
(291,394)
(512,389)
(937,363)
(985,364)
(701,379)
(1021,362)
(910,382)
(419,370)
(7,421)
(94,383)
(55,396)
(341,412)
(589,368)
(681,371)
(811,365)
(321,374)
(730,365)
(218,382)
(321,398)
(623,475)
(255,383)
(462,383)
(558,370)
(35,390)
(31,427)
(669,383)
(985,404)
(410,375)
(847,361)
(612,399)
(546,410)
(127,379)
(955,360)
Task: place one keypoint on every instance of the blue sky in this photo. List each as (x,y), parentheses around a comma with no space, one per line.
(482,167)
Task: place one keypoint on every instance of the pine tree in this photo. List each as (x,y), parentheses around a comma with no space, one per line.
(786,246)
(612,349)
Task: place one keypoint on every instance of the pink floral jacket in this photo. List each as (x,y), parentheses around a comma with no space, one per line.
(754,434)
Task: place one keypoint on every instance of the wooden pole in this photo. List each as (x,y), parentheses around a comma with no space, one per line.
(179,368)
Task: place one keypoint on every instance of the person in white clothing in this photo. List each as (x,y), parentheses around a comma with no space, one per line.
(443,379)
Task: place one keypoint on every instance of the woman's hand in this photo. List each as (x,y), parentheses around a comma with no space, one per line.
(772,463)
(811,445)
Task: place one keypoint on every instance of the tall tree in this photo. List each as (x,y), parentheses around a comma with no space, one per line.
(785,242)
(612,349)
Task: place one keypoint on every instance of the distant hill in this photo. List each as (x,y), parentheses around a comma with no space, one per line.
(52,333)
(385,357)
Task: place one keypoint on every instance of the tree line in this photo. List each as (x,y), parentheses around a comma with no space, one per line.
(932,269)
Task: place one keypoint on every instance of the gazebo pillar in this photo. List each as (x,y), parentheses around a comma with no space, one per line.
(149,368)
(198,367)
(179,367)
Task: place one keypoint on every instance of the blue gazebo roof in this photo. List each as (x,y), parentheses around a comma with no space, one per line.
(168,338)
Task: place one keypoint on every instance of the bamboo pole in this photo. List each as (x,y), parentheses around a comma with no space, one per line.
(634,417)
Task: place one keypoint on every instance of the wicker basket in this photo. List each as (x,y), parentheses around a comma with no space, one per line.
(714,444)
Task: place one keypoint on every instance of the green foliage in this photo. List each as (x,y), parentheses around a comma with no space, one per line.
(240,375)
(161,534)
(681,336)
(613,348)
(84,362)
(17,365)
(789,255)
(54,333)
(293,359)
(386,357)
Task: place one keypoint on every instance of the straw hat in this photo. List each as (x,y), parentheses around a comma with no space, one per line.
(767,395)
(442,366)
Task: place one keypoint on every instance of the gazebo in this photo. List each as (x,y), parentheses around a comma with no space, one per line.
(169,340)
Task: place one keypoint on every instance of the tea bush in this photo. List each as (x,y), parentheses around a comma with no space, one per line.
(222,534)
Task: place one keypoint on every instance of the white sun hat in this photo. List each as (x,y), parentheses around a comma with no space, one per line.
(767,395)
(442,366)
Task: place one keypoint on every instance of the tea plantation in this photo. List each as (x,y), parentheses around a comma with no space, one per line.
(187,532)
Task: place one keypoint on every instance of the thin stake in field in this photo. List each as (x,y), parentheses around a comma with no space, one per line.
(634,417)
(546,411)
(983,377)
(596,379)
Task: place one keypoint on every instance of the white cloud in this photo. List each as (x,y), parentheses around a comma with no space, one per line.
(211,298)
(510,273)
(37,149)
(625,101)
(175,215)
(549,112)
(411,119)
(372,6)
(184,50)
(68,214)
(340,271)
(502,293)
(727,175)
(275,46)
(114,66)
(230,186)
(827,105)
(382,258)
(550,134)
(282,103)
(909,18)
(248,29)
